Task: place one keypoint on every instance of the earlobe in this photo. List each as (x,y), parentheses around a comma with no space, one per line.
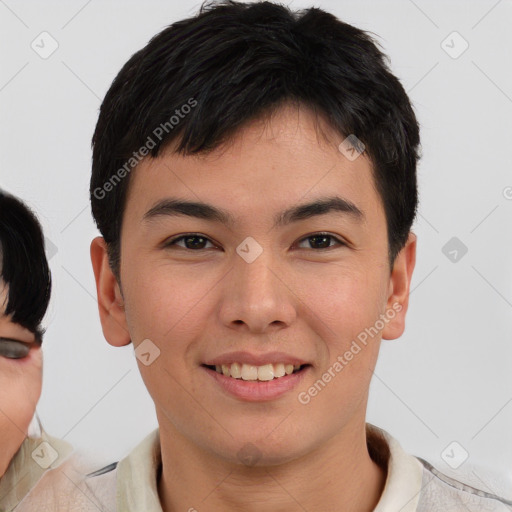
(399,285)
(110,300)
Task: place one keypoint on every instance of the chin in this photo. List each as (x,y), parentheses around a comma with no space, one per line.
(259,451)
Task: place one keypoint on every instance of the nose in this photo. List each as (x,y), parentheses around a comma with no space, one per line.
(256,296)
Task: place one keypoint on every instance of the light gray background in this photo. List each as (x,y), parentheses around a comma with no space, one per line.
(449,376)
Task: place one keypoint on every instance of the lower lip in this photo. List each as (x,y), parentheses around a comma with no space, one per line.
(258,391)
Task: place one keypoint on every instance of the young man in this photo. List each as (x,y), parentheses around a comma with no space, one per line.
(254,180)
(26,452)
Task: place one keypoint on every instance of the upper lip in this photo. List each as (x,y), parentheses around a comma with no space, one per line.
(255,359)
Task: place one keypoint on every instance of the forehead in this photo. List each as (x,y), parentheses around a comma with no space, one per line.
(292,157)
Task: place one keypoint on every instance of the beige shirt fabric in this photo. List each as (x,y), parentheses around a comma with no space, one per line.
(131,486)
(35,458)
(137,485)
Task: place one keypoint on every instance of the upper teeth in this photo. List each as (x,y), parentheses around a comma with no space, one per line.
(250,372)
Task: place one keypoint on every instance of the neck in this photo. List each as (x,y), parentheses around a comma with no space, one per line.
(337,476)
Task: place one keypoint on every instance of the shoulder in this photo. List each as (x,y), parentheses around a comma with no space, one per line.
(441,492)
(36,458)
(102,485)
(130,484)
(414,485)
(73,487)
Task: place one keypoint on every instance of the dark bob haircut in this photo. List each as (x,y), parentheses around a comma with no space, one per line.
(23,265)
(235,62)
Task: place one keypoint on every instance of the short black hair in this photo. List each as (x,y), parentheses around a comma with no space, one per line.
(23,265)
(201,79)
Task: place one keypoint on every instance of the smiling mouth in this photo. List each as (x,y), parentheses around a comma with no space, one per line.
(249,372)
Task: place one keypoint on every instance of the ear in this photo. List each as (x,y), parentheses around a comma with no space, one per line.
(399,284)
(110,300)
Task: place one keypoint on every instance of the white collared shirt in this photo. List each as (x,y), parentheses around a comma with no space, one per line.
(412,485)
(27,470)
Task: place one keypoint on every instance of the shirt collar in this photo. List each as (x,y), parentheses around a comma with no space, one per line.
(404,472)
(138,474)
(137,477)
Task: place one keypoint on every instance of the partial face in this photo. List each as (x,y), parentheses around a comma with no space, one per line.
(20,382)
(277,286)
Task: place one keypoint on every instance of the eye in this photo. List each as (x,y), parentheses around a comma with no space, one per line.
(321,241)
(192,241)
(12,349)
(197,242)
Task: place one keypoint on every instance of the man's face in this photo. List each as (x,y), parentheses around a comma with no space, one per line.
(20,382)
(254,292)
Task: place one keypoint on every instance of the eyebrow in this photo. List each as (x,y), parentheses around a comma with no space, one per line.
(200,210)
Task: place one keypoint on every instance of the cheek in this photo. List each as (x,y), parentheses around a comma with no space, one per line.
(344,307)
(20,389)
(342,301)
(161,302)
(165,307)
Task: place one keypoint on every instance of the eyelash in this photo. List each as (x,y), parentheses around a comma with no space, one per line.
(198,235)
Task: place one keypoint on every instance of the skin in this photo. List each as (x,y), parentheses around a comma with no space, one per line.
(295,297)
(20,385)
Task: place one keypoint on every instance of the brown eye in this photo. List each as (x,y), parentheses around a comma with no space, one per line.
(192,242)
(321,241)
(12,349)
